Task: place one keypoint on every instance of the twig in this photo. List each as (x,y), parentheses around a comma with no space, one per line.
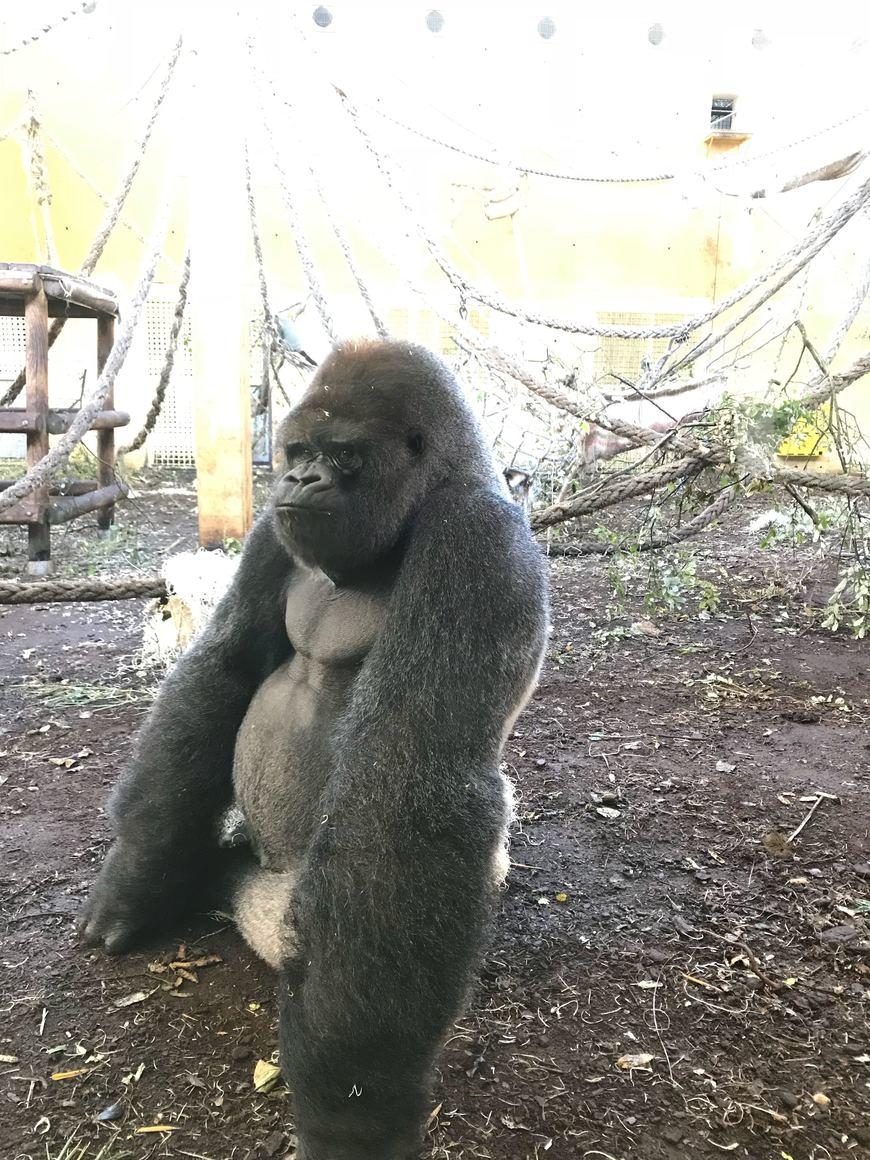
(819,799)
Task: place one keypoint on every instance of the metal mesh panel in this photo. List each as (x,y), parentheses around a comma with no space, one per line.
(171,441)
(11,361)
(624,356)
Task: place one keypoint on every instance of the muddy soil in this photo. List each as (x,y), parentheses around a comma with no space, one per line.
(670,977)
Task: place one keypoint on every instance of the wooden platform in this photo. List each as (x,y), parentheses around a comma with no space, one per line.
(39,293)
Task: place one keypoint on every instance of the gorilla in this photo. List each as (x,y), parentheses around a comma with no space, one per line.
(350,696)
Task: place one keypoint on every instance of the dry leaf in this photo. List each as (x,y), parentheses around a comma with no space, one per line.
(821,1100)
(66,762)
(629,1062)
(136,997)
(71,1074)
(266,1076)
(158,1128)
(8,1058)
(433,1115)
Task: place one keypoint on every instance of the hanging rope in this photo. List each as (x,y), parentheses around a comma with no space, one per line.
(811,244)
(82,7)
(38,176)
(337,229)
(270,336)
(300,238)
(111,217)
(502,161)
(60,453)
(168,363)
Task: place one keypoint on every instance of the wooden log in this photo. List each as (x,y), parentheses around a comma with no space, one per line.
(106,436)
(36,368)
(18,421)
(60,421)
(68,507)
(30,510)
(70,289)
(65,487)
(19,281)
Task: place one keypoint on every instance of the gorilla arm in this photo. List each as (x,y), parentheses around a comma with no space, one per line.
(165,808)
(393,897)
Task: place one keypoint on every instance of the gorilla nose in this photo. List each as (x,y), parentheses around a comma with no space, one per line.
(310,476)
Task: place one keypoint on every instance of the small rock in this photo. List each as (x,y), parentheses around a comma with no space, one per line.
(111,1113)
(273,1142)
(673,1135)
(608,813)
(839,934)
(240,1053)
(609,799)
(788,1099)
(862,869)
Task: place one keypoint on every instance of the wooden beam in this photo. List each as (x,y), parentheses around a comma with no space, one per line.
(18,420)
(68,507)
(67,487)
(106,436)
(36,338)
(217,301)
(18,280)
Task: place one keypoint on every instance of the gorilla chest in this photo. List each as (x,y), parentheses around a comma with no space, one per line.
(332,626)
(284,748)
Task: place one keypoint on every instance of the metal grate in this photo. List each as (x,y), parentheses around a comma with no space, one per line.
(12,348)
(625,357)
(171,441)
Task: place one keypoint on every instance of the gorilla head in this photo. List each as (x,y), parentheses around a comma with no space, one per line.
(380,427)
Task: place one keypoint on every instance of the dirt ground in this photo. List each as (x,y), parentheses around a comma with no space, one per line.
(668,978)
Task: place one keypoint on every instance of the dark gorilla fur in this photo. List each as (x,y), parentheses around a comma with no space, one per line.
(385,625)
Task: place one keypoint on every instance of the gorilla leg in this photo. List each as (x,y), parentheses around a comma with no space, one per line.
(261,908)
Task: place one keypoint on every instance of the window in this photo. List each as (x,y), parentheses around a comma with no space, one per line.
(655,34)
(722,114)
(434,20)
(322,17)
(546,28)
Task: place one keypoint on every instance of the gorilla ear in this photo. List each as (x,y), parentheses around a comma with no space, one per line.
(416,442)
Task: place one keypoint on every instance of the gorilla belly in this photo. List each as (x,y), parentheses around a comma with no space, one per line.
(283,754)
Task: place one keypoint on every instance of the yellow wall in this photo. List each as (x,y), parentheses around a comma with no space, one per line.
(576,248)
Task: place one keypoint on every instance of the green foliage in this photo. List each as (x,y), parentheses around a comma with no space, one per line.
(667,582)
(849,603)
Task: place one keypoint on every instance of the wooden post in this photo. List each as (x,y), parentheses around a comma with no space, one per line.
(36,370)
(217,302)
(106,437)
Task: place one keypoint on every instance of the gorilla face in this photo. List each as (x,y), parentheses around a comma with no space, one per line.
(348,490)
(370,438)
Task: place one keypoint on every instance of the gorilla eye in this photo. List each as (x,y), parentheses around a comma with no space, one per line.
(295,451)
(344,457)
(415,442)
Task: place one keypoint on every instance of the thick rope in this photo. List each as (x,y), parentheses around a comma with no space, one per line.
(168,363)
(593,499)
(502,161)
(340,236)
(57,591)
(814,241)
(111,217)
(300,238)
(60,453)
(859,295)
(270,335)
(78,9)
(39,176)
(685,531)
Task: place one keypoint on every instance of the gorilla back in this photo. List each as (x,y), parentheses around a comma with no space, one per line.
(352,693)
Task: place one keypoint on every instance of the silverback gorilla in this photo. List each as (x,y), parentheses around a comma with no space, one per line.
(351,694)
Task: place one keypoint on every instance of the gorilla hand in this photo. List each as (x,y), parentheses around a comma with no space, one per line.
(123,903)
